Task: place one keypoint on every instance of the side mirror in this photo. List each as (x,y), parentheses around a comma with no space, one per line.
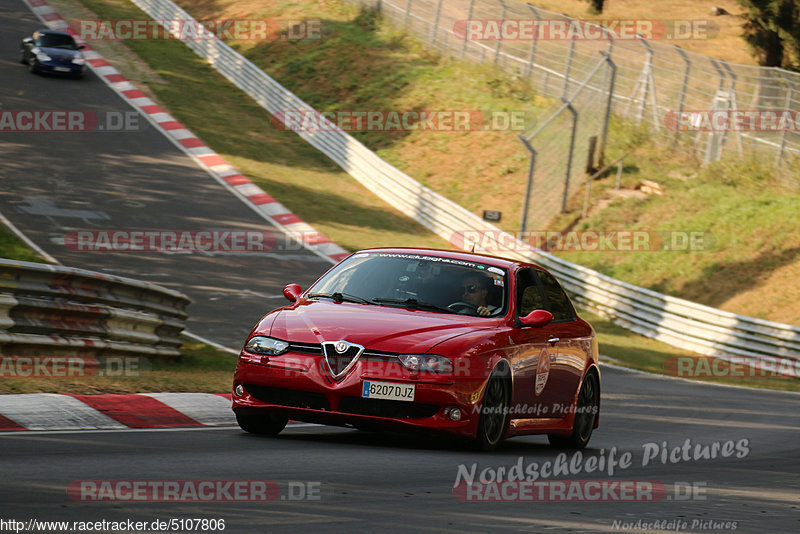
(292,292)
(81,47)
(537,318)
(28,40)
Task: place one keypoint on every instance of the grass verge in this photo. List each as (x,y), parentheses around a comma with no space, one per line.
(199,369)
(13,248)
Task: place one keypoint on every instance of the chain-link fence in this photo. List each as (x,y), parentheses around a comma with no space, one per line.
(566,146)
(656,81)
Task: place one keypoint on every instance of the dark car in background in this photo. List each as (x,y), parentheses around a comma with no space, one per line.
(53,52)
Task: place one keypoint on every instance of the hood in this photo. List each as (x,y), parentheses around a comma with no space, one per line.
(60,54)
(381,328)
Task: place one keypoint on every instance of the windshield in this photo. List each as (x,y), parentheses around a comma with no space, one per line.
(417,281)
(52,40)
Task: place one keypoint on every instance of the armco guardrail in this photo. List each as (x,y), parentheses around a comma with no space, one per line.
(64,311)
(677,322)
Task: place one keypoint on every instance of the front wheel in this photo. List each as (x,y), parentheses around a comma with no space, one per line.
(22,58)
(494,413)
(266,424)
(585,415)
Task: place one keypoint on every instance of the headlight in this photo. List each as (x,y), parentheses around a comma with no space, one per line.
(266,345)
(428,363)
(79,61)
(41,56)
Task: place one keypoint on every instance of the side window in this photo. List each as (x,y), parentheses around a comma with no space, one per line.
(529,297)
(558,302)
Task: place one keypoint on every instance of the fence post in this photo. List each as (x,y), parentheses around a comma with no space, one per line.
(609,101)
(646,77)
(714,147)
(682,98)
(787,103)
(569,67)
(529,187)
(734,104)
(500,39)
(435,28)
(534,44)
(466,27)
(408,14)
(574,113)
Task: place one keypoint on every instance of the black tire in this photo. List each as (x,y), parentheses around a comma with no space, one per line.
(32,66)
(494,412)
(265,425)
(22,57)
(586,411)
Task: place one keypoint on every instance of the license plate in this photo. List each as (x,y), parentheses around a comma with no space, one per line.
(388,391)
(63,69)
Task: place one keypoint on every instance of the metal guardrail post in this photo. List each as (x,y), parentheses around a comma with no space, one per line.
(408,14)
(682,98)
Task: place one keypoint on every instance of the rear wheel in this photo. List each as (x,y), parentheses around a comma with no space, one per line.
(585,415)
(494,412)
(266,424)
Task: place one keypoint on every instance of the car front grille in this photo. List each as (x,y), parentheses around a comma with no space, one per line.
(387,408)
(289,397)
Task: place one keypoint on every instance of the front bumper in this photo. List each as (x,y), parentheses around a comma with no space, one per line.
(53,67)
(297,386)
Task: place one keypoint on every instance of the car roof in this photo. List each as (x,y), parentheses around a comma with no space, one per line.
(453,254)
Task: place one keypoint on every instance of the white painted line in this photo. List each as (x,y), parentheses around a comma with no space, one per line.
(48,411)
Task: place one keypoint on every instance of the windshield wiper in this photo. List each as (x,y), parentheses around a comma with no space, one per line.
(339,297)
(414,303)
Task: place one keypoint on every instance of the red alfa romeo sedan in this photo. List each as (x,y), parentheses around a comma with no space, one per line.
(469,345)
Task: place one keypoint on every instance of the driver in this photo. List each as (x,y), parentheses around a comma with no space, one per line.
(475,291)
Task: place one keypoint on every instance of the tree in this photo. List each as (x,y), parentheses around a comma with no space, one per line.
(772,29)
(597,5)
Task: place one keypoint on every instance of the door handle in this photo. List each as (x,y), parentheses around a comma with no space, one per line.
(554,340)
